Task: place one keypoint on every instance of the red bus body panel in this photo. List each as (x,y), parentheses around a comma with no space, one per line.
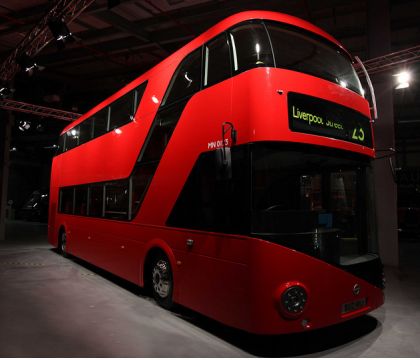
(233,279)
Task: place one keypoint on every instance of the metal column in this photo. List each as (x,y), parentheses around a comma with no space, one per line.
(379,44)
(6,120)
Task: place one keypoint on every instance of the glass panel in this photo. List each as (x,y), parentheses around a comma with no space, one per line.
(80,204)
(96,200)
(212,202)
(163,127)
(61,144)
(313,201)
(139,94)
(116,200)
(66,200)
(155,145)
(122,111)
(72,138)
(305,53)
(85,131)
(251,46)
(217,61)
(141,178)
(187,78)
(100,122)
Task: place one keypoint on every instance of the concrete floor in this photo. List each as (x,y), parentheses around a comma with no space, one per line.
(56,307)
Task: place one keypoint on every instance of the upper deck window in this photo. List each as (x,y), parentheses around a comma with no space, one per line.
(302,52)
(117,114)
(85,131)
(216,61)
(186,80)
(72,138)
(100,122)
(122,110)
(251,47)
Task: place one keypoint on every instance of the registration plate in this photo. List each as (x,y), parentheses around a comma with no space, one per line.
(353,306)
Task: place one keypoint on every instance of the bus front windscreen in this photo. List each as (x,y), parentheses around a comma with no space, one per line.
(315,201)
(301,51)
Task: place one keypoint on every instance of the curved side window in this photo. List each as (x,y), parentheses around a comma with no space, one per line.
(251,47)
(186,80)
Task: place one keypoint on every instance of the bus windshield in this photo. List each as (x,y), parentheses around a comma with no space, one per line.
(313,201)
(303,52)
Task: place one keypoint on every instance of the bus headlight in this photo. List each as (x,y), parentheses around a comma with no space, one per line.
(293,300)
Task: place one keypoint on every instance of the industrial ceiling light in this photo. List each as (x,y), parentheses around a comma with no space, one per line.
(60,32)
(28,64)
(4,91)
(54,146)
(403,80)
(24,125)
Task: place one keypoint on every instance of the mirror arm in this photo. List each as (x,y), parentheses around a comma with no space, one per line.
(233,136)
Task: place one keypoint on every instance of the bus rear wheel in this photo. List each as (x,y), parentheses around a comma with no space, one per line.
(162,281)
(62,243)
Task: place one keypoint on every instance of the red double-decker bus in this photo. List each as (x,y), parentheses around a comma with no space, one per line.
(233,178)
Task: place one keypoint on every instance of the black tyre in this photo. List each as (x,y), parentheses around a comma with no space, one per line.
(62,243)
(162,281)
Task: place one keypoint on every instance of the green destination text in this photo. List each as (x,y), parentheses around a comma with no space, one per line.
(315,119)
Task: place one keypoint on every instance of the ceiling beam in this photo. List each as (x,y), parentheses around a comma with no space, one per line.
(392,60)
(38,110)
(40,35)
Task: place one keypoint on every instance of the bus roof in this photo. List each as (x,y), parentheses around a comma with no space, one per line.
(202,39)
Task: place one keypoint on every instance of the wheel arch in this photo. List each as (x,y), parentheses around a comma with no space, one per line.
(154,247)
(61,227)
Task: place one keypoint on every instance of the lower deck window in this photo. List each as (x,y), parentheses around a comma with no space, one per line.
(116,200)
(109,200)
(67,200)
(314,201)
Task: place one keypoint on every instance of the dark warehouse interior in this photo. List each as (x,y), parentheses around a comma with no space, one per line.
(55,69)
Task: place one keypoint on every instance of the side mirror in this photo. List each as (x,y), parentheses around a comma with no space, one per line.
(223,163)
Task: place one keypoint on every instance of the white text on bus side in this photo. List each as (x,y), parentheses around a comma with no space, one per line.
(217,144)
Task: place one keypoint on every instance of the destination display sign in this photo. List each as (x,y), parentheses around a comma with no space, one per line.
(311,115)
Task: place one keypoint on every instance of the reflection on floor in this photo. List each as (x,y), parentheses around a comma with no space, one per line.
(51,306)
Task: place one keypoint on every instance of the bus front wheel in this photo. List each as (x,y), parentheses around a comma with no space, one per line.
(162,281)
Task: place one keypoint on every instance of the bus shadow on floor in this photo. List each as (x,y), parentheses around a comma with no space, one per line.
(290,345)
(323,340)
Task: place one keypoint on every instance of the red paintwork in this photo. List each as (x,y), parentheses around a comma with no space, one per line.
(233,279)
